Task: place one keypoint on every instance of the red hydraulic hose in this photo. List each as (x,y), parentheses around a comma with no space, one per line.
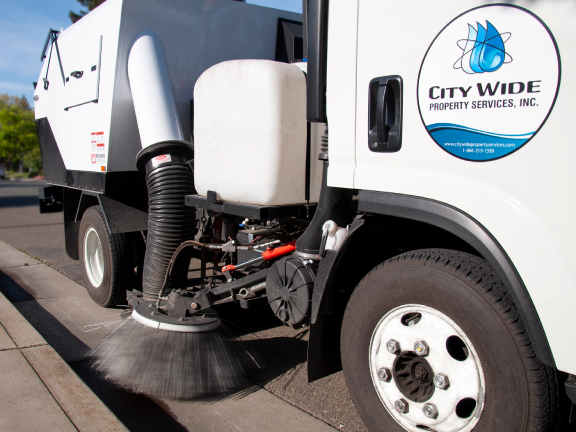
(266,256)
(279,251)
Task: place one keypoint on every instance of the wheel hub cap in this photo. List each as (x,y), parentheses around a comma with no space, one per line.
(413,376)
(93,257)
(458,406)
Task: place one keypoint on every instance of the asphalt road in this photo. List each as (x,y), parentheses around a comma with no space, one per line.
(281,349)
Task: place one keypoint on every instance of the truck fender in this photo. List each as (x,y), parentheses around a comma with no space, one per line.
(324,345)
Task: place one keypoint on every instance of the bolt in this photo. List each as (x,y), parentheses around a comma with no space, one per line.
(421,348)
(430,410)
(195,305)
(375,144)
(401,406)
(384,374)
(393,346)
(441,381)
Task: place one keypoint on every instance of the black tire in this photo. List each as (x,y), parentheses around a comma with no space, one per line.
(520,393)
(118,261)
(138,245)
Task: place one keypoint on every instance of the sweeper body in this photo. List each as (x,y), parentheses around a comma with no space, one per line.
(395,176)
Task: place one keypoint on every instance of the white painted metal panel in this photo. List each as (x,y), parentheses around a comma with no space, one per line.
(341,92)
(195,35)
(74,128)
(524,199)
(82,59)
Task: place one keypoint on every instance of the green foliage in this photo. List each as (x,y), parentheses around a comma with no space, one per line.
(18,133)
(33,161)
(90,4)
(21,103)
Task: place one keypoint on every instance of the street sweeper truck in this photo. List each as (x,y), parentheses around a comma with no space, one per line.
(398,176)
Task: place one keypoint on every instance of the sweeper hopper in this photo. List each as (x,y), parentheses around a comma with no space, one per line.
(122,79)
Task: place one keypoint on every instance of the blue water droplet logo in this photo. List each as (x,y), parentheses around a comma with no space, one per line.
(484,50)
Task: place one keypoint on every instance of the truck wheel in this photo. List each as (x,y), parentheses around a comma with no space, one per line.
(430,341)
(106,260)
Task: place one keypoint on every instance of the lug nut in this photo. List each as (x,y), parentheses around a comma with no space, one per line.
(430,410)
(393,346)
(441,381)
(421,348)
(384,374)
(401,406)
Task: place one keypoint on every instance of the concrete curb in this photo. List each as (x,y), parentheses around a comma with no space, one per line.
(36,380)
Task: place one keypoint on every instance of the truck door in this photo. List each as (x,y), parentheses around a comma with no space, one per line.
(485,127)
(81,60)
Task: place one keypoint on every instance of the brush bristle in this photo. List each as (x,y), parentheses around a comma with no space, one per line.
(171,364)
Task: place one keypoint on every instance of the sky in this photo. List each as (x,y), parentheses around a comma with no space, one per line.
(24,25)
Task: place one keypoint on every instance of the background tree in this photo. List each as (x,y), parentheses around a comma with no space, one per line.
(18,134)
(21,103)
(90,4)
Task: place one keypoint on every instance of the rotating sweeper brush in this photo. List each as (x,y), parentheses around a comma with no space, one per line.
(172,346)
(170,356)
(175,344)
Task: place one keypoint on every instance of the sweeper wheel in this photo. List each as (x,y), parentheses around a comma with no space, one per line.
(106,260)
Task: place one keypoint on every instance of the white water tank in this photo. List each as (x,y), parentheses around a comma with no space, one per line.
(250,132)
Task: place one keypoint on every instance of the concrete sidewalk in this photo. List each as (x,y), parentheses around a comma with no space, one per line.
(38,390)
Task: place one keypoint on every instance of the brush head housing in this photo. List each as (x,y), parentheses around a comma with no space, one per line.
(148,314)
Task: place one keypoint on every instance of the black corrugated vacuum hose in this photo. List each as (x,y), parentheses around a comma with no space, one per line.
(170,222)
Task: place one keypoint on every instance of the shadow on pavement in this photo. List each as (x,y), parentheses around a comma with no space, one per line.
(279,355)
(18,183)
(137,412)
(18,201)
(27,226)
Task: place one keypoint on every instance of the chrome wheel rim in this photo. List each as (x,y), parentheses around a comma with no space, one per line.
(93,257)
(451,367)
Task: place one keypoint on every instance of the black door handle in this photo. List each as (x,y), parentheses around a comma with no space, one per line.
(77,74)
(381,127)
(385,114)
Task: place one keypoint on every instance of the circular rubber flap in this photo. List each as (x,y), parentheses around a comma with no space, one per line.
(147,313)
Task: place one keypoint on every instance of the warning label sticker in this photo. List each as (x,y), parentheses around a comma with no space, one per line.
(160,160)
(98,148)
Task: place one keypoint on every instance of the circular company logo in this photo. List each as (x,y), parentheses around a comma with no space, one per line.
(488,82)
